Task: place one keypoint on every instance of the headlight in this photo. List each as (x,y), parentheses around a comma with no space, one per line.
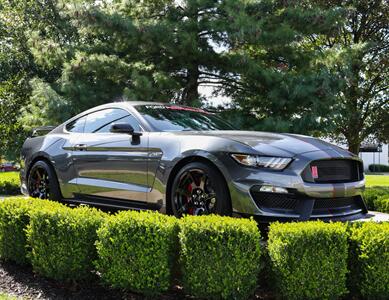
(275,163)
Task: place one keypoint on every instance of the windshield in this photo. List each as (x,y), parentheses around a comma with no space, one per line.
(181,118)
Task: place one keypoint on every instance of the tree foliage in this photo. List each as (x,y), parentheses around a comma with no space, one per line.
(358,57)
(313,67)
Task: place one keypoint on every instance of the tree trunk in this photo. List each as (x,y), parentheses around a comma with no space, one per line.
(354,143)
(191,94)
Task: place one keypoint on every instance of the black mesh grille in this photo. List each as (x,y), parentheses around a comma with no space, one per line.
(292,203)
(275,201)
(334,203)
(333,171)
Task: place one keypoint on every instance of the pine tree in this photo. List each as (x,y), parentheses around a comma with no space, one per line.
(317,67)
(358,56)
(149,50)
(284,84)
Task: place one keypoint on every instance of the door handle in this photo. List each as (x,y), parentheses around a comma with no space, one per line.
(80,147)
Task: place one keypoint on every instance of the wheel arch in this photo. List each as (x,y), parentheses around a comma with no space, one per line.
(39,157)
(179,165)
(44,158)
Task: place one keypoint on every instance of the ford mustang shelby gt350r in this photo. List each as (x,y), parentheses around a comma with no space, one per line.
(184,160)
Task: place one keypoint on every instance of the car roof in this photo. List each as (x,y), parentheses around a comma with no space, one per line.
(116,104)
(125,104)
(134,103)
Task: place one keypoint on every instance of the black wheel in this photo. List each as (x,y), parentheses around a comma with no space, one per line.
(199,189)
(42,182)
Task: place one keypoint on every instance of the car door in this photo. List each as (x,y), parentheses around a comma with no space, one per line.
(110,165)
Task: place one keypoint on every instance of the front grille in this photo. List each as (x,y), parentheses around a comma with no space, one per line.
(294,203)
(333,171)
(275,201)
(334,203)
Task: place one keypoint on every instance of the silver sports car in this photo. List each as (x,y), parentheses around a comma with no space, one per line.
(182,160)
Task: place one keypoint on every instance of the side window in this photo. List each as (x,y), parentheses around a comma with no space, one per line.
(101,121)
(129,119)
(76,125)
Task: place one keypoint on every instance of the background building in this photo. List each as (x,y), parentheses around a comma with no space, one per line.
(374,154)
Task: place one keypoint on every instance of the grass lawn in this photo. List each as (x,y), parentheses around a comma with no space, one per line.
(377,180)
(9,183)
(9,176)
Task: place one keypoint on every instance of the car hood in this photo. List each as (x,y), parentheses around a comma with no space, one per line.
(277,144)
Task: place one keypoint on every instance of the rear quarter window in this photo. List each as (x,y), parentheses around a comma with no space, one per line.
(76,125)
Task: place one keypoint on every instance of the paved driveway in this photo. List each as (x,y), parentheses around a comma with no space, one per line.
(375,216)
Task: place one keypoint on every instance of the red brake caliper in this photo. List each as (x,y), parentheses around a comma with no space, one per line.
(191,209)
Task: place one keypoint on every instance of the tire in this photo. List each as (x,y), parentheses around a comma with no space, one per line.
(185,197)
(48,180)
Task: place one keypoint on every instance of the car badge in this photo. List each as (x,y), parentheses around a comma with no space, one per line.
(315,172)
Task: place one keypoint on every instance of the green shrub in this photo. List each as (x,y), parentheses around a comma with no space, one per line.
(378,168)
(62,241)
(382,204)
(14,219)
(369,259)
(136,251)
(371,195)
(220,256)
(9,183)
(309,259)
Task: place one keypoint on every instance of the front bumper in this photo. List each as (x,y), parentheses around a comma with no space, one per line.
(340,202)
(304,200)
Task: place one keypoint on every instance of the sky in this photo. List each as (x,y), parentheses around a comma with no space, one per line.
(206,91)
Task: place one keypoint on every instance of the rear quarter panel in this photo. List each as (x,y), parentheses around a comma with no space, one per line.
(50,148)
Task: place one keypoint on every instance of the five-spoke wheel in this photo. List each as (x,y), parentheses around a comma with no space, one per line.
(199,189)
(42,182)
(38,185)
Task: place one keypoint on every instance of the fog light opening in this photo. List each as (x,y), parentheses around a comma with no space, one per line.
(273,189)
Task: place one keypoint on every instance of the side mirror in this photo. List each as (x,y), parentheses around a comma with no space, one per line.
(124,128)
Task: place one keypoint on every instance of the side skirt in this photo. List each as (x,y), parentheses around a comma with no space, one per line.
(103,202)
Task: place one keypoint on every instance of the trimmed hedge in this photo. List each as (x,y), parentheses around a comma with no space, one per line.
(14,219)
(309,260)
(373,195)
(369,259)
(220,256)
(382,204)
(136,251)
(9,183)
(62,241)
(378,168)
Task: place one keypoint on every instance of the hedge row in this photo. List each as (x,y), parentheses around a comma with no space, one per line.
(62,241)
(15,216)
(309,259)
(9,183)
(136,251)
(214,257)
(376,198)
(220,256)
(369,260)
(378,168)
